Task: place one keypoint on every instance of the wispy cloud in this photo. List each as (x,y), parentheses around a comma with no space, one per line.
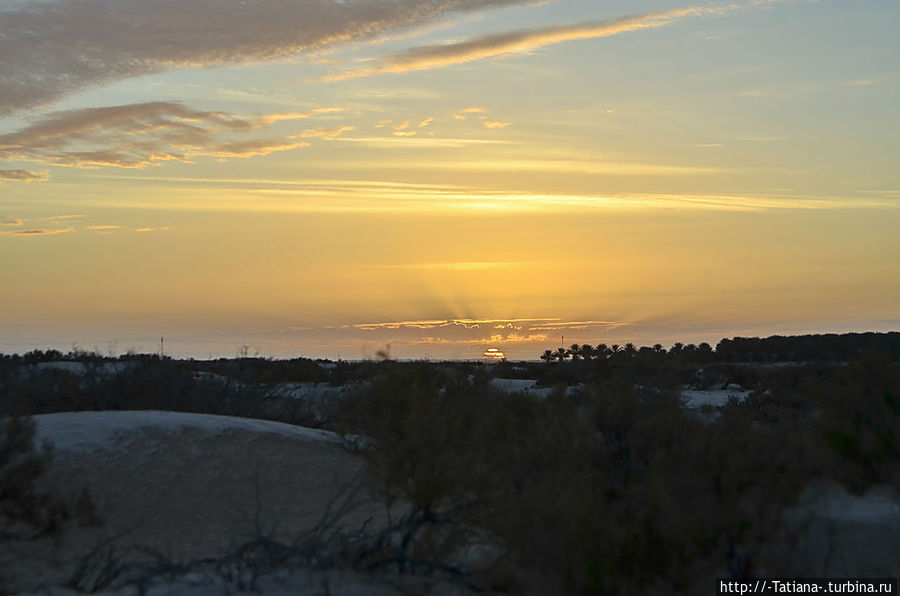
(580,166)
(493,339)
(136,136)
(466,112)
(325,133)
(148,230)
(66,217)
(250,148)
(22,175)
(577,325)
(12,222)
(444,323)
(526,40)
(55,47)
(272,118)
(37,232)
(380,197)
(103,228)
(496,123)
(481,331)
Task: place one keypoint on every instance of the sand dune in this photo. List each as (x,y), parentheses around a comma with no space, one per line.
(187,485)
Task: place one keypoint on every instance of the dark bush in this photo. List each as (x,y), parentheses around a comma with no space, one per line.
(604,493)
(25,511)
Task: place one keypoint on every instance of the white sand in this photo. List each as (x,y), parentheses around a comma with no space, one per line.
(91,431)
(188,485)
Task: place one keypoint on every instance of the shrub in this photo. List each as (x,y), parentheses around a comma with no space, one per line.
(604,493)
(24,510)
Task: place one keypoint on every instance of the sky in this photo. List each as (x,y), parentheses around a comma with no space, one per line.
(339,178)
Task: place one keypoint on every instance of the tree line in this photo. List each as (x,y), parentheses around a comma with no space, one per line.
(828,347)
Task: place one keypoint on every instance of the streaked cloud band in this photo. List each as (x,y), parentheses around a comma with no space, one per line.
(489,46)
(55,47)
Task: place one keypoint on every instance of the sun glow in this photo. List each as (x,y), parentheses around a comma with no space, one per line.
(493,355)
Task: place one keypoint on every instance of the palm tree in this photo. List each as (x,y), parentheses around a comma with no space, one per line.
(587,351)
(575,351)
(548,356)
(602,351)
(561,354)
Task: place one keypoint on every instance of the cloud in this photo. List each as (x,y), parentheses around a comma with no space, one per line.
(464,113)
(37,232)
(251,148)
(325,133)
(425,122)
(138,135)
(496,124)
(15,227)
(55,47)
(575,166)
(22,176)
(103,228)
(427,324)
(445,323)
(147,230)
(525,40)
(380,196)
(272,118)
(55,218)
(577,325)
(495,338)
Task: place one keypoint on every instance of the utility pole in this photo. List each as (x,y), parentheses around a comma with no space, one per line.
(161,351)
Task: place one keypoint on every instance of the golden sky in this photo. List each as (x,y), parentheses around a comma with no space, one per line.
(326,177)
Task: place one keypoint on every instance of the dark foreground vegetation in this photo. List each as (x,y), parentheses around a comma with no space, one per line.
(603,484)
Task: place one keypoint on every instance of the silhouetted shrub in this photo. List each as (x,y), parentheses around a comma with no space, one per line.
(24,509)
(605,492)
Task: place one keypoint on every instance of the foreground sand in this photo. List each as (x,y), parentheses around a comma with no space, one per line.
(183,486)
